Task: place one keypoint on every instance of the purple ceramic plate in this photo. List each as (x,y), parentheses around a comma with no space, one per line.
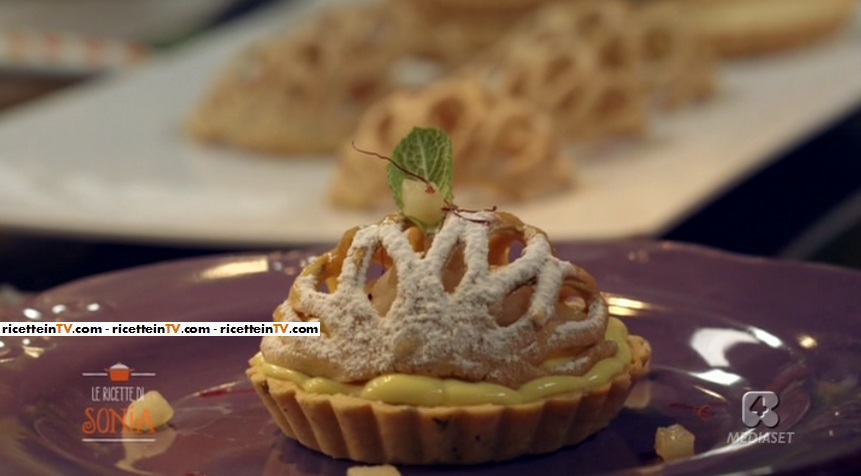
(720,325)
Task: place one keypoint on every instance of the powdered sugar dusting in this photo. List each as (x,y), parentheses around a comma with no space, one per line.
(428,331)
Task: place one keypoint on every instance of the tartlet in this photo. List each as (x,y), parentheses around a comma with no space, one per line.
(461,351)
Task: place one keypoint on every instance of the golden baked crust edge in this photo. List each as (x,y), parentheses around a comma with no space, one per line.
(361,430)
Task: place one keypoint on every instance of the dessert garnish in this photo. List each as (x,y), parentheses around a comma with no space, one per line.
(148,412)
(674,442)
(420,176)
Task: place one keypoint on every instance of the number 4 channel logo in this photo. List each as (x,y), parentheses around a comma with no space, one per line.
(759,407)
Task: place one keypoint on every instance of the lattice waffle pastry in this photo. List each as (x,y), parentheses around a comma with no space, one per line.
(458,352)
(595,65)
(679,66)
(453,31)
(566,78)
(302,92)
(506,149)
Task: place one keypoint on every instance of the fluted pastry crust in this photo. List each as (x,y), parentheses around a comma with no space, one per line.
(374,432)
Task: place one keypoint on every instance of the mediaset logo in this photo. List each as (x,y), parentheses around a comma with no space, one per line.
(110,417)
(760,407)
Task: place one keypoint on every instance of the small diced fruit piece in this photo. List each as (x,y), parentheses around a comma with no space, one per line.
(674,442)
(420,204)
(385,470)
(149,411)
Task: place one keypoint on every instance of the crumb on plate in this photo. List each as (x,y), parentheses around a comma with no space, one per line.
(674,442)
(382,470)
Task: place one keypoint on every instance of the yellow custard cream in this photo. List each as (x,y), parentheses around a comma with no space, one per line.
(430,391)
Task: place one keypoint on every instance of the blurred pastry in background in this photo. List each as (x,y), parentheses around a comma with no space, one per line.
(565,77)
(650,46)
(303,91)
(596,65)
(452,31)
(752,27)
(505,148)
(679,66)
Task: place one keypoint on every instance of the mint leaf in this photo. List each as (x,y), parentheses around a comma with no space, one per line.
(424,155)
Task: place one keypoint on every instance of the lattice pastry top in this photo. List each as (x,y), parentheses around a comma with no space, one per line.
(456,306)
